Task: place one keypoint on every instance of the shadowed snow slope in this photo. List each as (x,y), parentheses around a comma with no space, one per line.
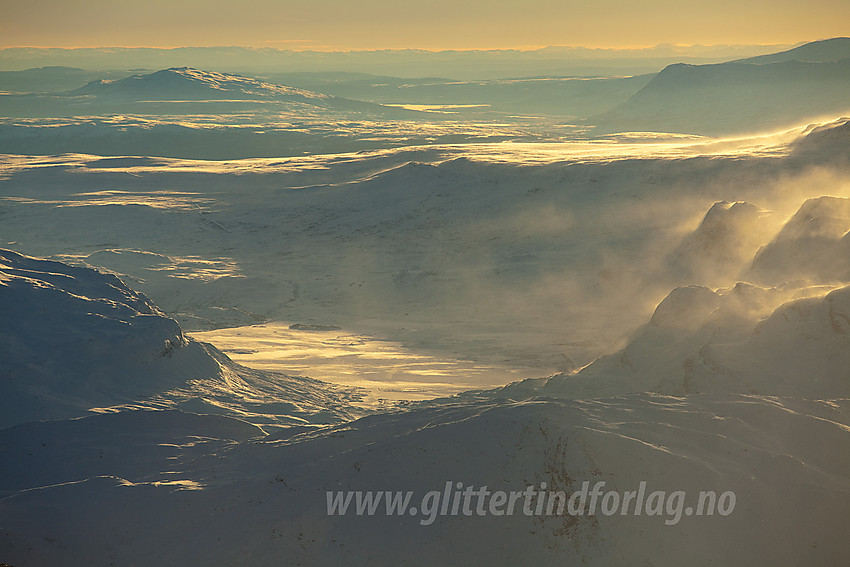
(263,501)
(73,339)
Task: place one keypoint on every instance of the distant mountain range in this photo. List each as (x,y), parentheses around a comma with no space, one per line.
(808,83)
(410,63)
(51,79)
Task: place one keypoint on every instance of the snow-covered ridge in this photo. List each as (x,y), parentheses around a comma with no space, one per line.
(72,338)
(186,83)
(827,140)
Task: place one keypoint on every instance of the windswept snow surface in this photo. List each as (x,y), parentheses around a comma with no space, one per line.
(686,304)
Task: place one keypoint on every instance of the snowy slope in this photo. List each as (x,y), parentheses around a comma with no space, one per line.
(113,340)
(73,339)
(826,140)
(262,501)
(702,341)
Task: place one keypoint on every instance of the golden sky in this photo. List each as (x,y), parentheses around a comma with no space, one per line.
(425,24)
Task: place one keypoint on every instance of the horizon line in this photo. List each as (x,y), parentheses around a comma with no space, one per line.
(524,48)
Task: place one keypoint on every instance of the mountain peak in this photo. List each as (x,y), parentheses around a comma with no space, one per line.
(188,83)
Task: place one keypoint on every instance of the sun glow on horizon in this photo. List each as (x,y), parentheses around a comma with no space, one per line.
(285,45)
(435,25)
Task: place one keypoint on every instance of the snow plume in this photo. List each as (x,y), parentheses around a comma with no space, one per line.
(787,336)
(813,245)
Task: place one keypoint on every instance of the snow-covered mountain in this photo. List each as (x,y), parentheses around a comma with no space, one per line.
(826,141)
(747,339)
(72,339)
(185,83)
